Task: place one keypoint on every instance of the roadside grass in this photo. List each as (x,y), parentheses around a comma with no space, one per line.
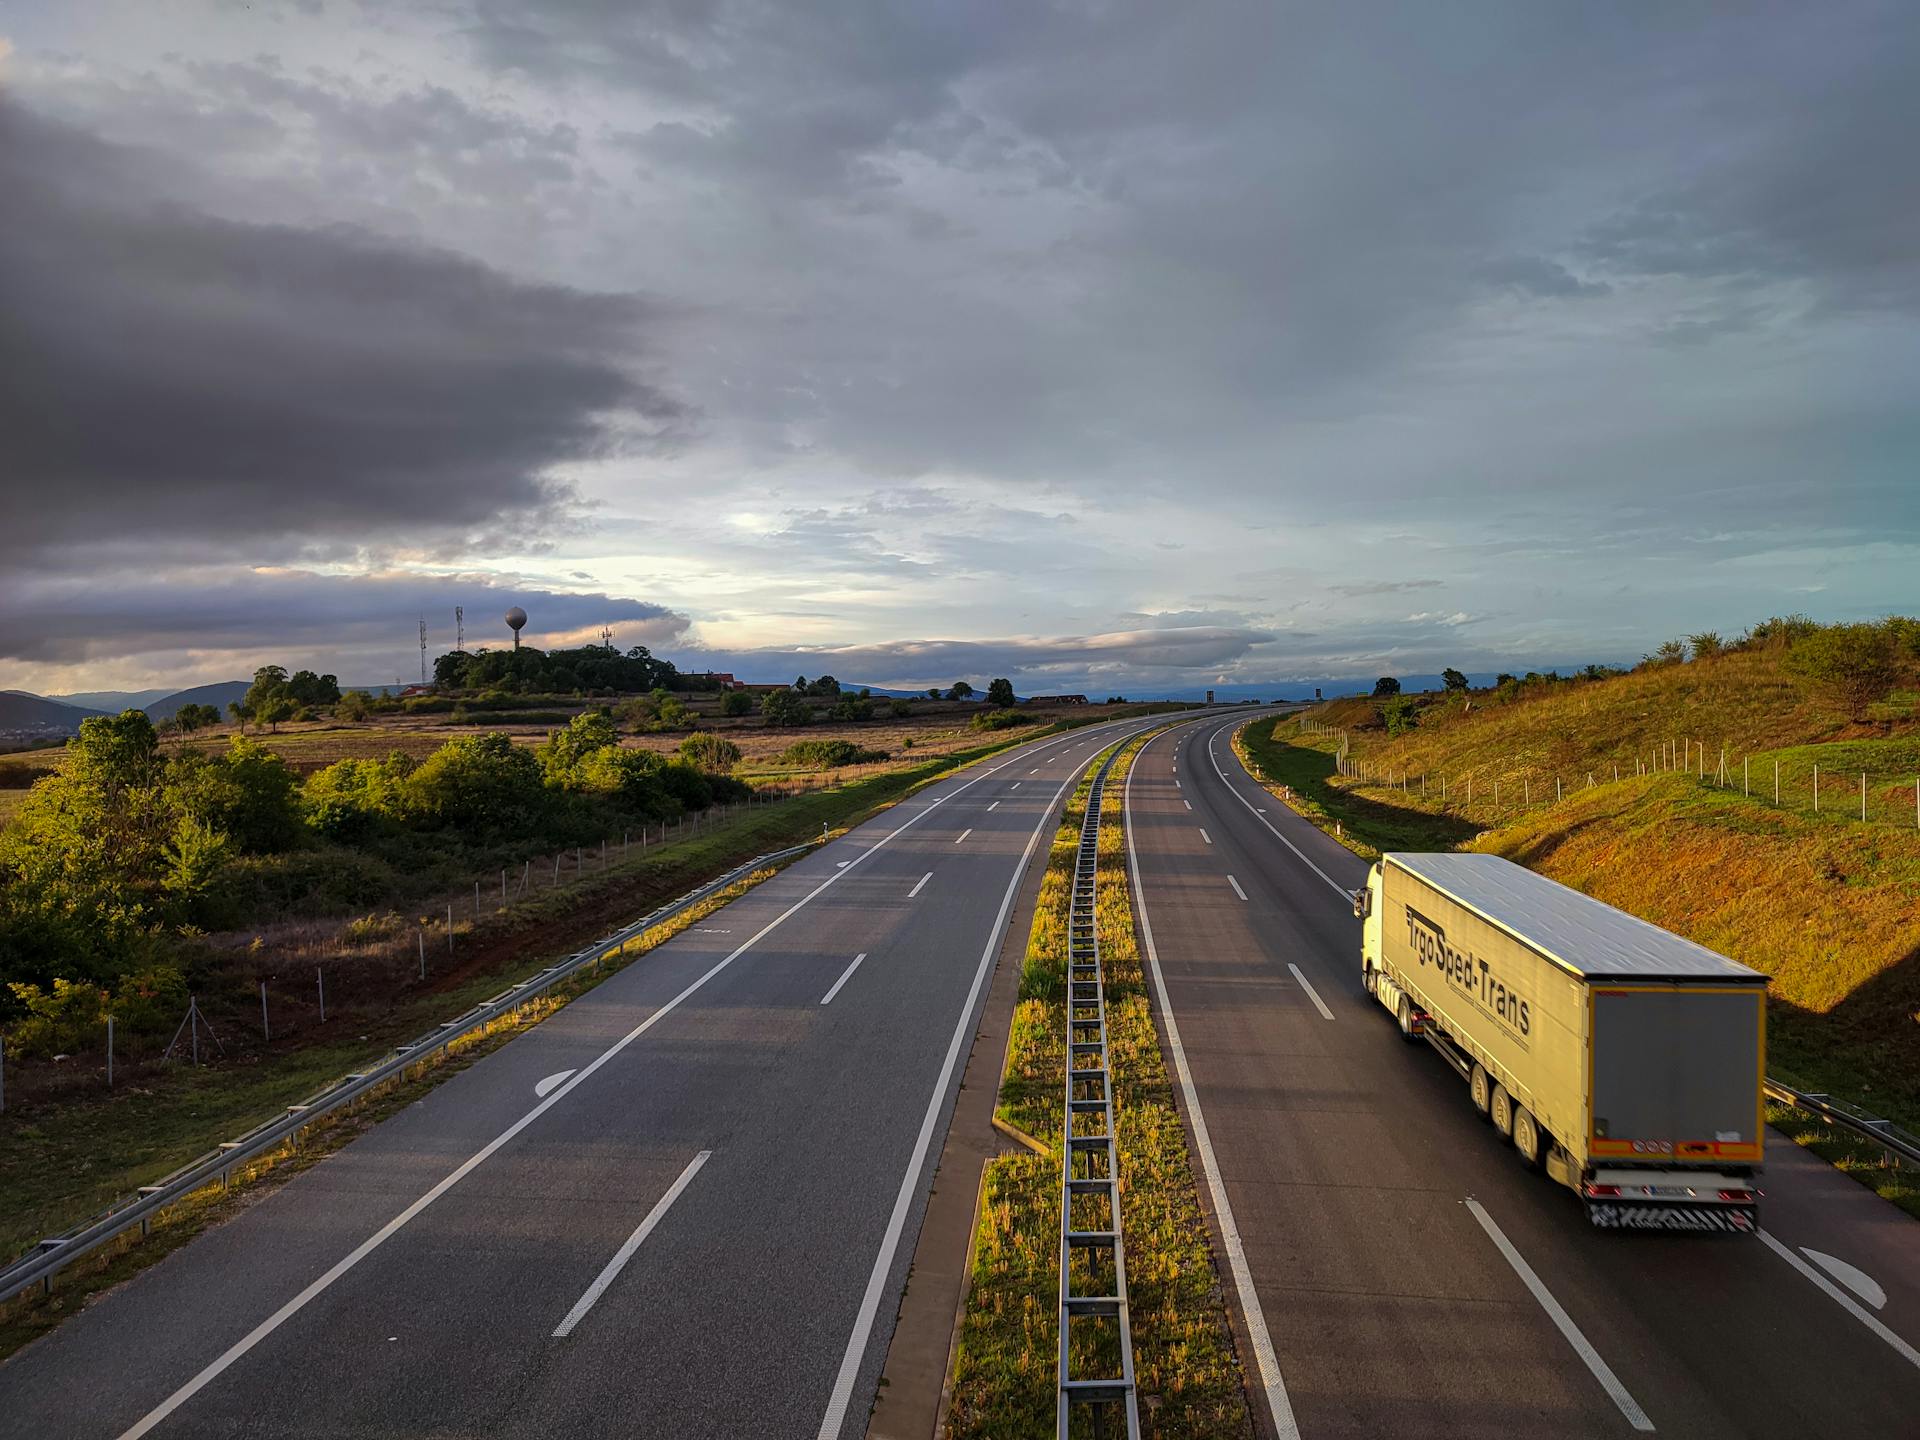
(75,1152)
(1189,1377)
(1829,908)
(176,1128)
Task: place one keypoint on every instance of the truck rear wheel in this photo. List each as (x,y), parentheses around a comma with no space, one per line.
(1404,1014)
(1501,1108)
(1529,1141)
(1480,1086)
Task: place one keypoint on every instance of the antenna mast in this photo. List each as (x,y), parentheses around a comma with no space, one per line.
(423,649)
(460,627)
(606,637)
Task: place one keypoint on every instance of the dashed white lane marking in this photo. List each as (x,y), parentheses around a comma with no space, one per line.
(921,886)
(1851,1276)
(1336,885)
(1187,803)
(550,1082)
(1312,994)
(845,976)
(1034,771)
(1014,786)
(1602,1372)
(1843,1300)
(1268,1363)
(1236,887)
(625,1252)
(963,835)
(1204,836)
(1178,786)
(995,806)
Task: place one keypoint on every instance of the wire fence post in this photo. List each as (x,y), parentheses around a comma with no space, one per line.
(1816,789)
(1746,775)
(320,978)
(266,1029)
(421,936)
(449,927)
(476,902)
(1776,782)
(1863,797)
(109,1052)
(3,1074)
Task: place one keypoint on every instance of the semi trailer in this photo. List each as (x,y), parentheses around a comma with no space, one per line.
(1623,1061)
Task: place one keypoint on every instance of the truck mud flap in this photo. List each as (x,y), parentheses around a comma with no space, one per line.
(1727,1219)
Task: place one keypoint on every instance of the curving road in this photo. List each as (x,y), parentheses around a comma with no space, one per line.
(1394,1267)
(682,1206)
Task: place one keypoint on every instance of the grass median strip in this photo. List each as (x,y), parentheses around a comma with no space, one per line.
(1190,1380)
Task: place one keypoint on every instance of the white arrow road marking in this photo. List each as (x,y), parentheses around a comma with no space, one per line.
(1843,1300)
(1851,1276)
(625,1252)
(559,1078)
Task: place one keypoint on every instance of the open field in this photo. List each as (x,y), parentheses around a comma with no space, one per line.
(1188,1375)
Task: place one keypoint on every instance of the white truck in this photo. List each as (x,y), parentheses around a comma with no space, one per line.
(1624,1061)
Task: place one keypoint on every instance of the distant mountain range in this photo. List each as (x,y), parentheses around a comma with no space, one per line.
(24,714)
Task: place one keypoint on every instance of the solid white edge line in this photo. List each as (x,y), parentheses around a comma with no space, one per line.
(625,1253)
(921,886)
(1312,994)
(1261,816)
(963,835)
(213,1370)
(1602,1372)
(845,976)
(842,1395)
(1842,1299)
(1236,887)
(1271,1383)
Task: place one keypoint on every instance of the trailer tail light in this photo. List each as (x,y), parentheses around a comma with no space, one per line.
(1602,1192)
(1737,1197)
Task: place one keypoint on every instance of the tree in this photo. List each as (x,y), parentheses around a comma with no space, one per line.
(481,782)
(785,707)
(825,685)
(307,688)
(561,754)
(1852,666)
(800,684)
(1503,680)
(736,702)
(1386,685)
(900,709)
(248,795)
(714,754)
(933,692)
(1453,679)
(355,705)
(191,717)
(1000,692)
(961,691)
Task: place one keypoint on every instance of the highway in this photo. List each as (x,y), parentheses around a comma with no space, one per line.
(1395,1269)
(681,1206)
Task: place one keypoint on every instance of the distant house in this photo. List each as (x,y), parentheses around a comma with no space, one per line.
(718,679)
(1057,700)
(413,690)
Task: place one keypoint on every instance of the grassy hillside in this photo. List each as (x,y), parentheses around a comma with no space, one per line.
(1827,905)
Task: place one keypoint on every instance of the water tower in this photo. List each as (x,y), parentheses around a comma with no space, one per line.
(516,618)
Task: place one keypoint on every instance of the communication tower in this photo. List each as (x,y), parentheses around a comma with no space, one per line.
(460,627)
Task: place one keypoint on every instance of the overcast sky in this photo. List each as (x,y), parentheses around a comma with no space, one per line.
(1106,345)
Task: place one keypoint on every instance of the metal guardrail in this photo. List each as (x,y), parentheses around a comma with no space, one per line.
(1090,1151)
(1839,1113)
(39,1265)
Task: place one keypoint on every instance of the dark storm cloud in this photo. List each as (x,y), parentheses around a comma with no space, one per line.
(242,612)
(173,375)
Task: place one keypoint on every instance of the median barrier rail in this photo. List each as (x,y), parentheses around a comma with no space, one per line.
(40,1264)
(1842,1115)
(1090,1156)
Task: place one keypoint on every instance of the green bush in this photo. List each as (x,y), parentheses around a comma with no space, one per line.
(350,799)
(1000,720)
(1850,665)
(900,709)
(71,1016)
(736,702)
(785,708)
(482,783)
(828,754)
(713,754)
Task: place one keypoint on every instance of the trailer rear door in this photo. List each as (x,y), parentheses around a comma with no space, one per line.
(1677,1072)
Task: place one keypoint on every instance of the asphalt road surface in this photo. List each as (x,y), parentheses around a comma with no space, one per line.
(681,1207)
(1396,1270)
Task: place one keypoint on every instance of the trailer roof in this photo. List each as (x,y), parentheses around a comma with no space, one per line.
(1574,930)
